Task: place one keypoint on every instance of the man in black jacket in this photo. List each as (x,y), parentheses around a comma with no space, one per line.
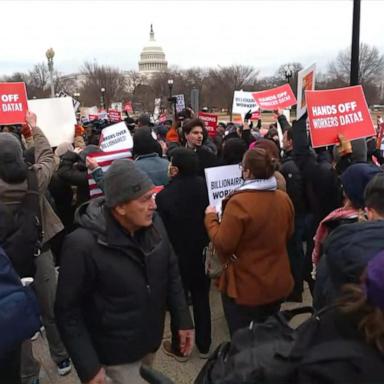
(295,190)
(118,275)
(181,205)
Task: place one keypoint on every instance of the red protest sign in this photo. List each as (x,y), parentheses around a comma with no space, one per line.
(338,111)
(13,103)
(114,115)
(128,107)
(162,118)
(276,98)
(210,121)
(256,116)
(380,136)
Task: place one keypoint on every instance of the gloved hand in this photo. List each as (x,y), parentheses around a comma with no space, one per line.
(79,130)
(345,146)
(26,131)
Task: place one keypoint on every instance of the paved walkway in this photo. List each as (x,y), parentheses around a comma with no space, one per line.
(181,373)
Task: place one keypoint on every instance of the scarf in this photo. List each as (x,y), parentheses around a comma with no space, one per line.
(322,230)
(259,185)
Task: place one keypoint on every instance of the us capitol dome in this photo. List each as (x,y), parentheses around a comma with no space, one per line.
(152,57)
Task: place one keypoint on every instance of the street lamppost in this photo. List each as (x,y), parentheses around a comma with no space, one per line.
(102,98)
(354,76)
(50,55)
(170,99)
(288,72)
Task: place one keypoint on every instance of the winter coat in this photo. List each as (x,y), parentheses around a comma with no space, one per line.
(114,289)
(347,252)
(155,167)
(255,228)
(181,205)
(13,194)
(294,183)
(73,171)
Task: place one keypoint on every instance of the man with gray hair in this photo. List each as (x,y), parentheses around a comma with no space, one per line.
(118,275)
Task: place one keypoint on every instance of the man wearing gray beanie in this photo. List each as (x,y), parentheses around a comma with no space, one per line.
(118,275)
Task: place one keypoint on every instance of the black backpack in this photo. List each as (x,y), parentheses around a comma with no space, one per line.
(21,232)
(274,353)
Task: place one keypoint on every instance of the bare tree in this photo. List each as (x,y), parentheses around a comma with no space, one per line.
(281,74)
(102,76)
(223,81)
(371,65)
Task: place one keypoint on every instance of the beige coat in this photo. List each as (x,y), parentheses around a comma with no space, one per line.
(13,194)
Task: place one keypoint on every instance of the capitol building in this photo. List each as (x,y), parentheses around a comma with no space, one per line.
(152,61)
(152,57)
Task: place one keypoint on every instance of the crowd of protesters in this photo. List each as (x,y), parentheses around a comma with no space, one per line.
(108,268)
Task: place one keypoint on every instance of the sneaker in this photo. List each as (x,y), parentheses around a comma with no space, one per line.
(204,356)
(64,367)
(168,350)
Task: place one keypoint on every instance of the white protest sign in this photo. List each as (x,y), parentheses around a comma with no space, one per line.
(221,181)
(115,137)
(305,82)
(243,102)
(156,111)
(56,118)
(118,106)
(180,103)
(76,103)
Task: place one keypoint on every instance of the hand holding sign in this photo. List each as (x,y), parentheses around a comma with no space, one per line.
(31,119)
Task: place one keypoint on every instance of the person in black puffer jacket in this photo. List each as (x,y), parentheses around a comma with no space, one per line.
(118,275)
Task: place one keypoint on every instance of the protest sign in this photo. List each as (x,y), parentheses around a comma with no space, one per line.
(13,103)
(102,115)
(114,115)
(156,111)
(256,116)
(380,136)
(275,98)
(180,103)
(221,181)
(305,82)
(162,118)
(243,102)
(92,117)
(104,159)
(115,137)
(56,118)
(210,121)
(128,107)
(338,111)
(118,106)
(76,103)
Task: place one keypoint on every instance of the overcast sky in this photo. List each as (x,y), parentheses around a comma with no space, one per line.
(263,34)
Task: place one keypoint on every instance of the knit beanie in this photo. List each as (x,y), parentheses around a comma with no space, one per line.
(355,179)
(10,149)
(374,282)
(13,169)
(124,182)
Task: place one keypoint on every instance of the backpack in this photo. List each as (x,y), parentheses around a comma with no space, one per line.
(274,352)
(21,232)
(19,315)
(262,353)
